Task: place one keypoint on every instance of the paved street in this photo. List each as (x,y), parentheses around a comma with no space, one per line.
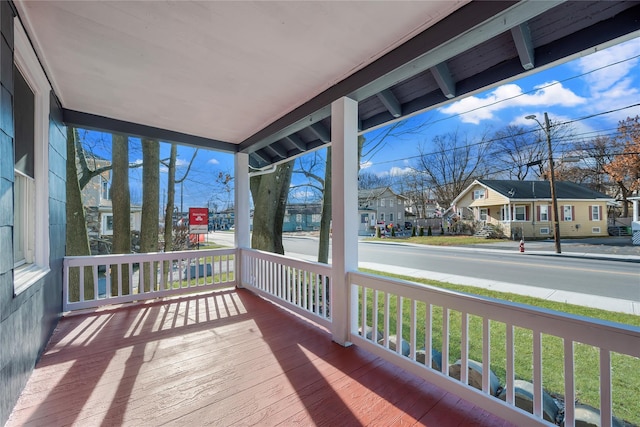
(603,272)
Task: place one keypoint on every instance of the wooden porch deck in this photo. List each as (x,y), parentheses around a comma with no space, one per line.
(225,358)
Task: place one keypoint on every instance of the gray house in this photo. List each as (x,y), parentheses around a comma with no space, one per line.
(382,207)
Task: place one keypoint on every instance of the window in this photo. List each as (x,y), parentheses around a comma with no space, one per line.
(391,217)
(484,213)
(567,213)
(544,230)
(24,219)
(298,217)
(382,202)
(390,203)
(104,191)
(399,216)
(315,217)
(31,165)
(107,225)
(595,230)
(479,194)
(382,216)
(595,213)
(520,213)
(543,213)
(24,183)
(364,218)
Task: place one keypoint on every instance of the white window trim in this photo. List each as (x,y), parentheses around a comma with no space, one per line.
(595,230)
(545,230)
(103,224)
(564,216)
(29,66)
(546,213)
(515,213)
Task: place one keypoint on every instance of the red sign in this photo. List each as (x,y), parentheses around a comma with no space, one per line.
(198,220)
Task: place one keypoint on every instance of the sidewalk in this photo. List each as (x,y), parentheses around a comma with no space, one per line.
(612,248)
(604,303)
(603,247)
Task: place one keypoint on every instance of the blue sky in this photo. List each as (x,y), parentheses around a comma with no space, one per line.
(605,81)
(587,86)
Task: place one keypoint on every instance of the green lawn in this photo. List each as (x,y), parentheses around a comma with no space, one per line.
(625,369)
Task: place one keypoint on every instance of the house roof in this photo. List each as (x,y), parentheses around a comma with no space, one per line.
(259,77)
(374,193)
(518,190)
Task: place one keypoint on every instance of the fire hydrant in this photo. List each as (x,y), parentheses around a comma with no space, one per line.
(521,245)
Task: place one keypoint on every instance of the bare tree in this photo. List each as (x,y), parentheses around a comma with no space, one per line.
(77,239)
(517,149)
(311,167)
(417,188)
(169,244)
(595,154)
(368,180)
(451,164)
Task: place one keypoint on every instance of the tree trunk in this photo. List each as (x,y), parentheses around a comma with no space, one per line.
(121,203)
(150,204)
(77,239)
(168,213)
(171,196)
(270,192)
(325,218)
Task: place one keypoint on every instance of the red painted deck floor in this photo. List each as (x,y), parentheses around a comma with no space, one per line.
(226,358)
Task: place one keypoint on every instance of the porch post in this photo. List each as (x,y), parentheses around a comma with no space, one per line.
(344,213)
(241,205)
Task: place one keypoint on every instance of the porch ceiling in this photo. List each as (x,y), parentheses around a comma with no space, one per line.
(259,77)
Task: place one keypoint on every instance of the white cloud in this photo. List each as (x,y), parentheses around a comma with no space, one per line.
(475,109)
(366,164)
(213,161)
(180,163)
(395,171)
(612,87)
(607,76)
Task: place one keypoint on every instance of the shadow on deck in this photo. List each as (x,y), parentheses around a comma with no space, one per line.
(222,358)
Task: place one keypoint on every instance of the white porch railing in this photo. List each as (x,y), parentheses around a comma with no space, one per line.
(113,279)
(425,317)
(301,286)
(444,324)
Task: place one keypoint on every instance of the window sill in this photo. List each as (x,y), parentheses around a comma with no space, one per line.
(26,276)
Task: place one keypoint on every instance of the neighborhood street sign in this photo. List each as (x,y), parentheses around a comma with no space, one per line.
(198,220)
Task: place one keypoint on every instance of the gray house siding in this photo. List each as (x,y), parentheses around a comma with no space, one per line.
(27,319)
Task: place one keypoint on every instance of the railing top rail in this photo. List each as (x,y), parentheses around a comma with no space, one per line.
(617,337)
(80,260)
(290,261)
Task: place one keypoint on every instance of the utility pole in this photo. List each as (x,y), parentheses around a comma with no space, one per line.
(552,180)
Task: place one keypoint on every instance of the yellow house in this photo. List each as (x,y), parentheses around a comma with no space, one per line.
(524,208)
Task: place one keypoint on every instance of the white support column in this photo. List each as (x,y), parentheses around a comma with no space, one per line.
(344,212)
(636,210)
(241,204)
